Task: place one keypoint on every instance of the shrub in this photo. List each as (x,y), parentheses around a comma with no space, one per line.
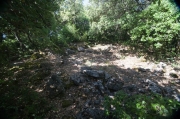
(153,106)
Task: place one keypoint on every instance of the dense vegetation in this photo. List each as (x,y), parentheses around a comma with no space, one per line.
(149,26)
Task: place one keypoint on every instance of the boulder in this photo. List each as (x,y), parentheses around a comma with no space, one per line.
(78,78)
(94,73)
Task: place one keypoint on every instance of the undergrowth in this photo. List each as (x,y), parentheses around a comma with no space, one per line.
(142,106)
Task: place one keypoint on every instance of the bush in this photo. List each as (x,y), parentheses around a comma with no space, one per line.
(19,102)
(156,27)
(124,106)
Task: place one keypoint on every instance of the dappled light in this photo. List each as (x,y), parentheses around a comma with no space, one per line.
(89,59)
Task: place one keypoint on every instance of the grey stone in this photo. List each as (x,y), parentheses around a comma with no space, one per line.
(161,65)
(177,68)
(86,91)
(99,86)
(168,90)
(69,51)
(94,73)
(80,49)
(114,84)
(78,78)
(159,70)
(141,69)
(85,68)
(177,97)
(89,50)
(153,87)
(54,86)
(107,76)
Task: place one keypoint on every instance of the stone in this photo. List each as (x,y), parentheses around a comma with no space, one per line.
(141,69)
(177,97)
(107,76)
(86,91)
(78,78)
(153,87)
(94,73)
(114,84)
(161,65)
(159,70)
(173,74)
(69,51)
(89,50)
(54,86)
(177,68)
(85,68)
(168,90)
(80,49)
(99,86)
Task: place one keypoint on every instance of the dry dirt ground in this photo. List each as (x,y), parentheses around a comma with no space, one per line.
(117,60)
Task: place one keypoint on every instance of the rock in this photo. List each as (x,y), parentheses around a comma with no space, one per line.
(80,49)
(54,86)
(90,113)
(168,90)
(153,87)
(173,74)
(114,84)
(78,78)
(94,73)
(99,86)
(141,69)
(86,91)
(85,68)
(89,50)
(69,51)
(66,103)
(159,70)
(107,76)
(177,68)
(177,97)
(161,65)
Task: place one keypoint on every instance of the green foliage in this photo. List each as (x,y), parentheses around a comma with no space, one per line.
(156,26)
(18,102)
(143,106)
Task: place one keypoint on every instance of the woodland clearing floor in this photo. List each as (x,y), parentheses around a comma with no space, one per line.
(117,60)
